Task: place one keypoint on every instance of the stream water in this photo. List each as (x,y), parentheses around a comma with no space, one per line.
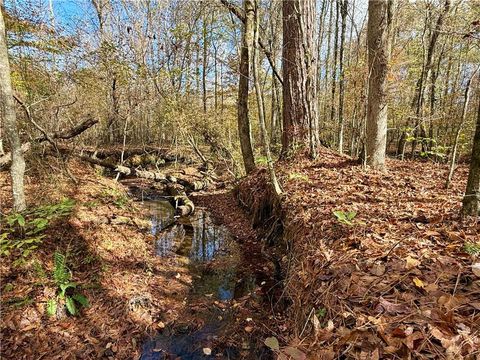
(213,259)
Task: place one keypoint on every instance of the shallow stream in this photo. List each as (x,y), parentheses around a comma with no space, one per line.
(213,259)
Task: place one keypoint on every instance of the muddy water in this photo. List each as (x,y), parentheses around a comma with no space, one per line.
(213,258)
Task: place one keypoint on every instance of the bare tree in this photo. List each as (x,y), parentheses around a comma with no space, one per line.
(379,20)
(244,129)
(453,158)
(471,200)
(341,96)
(261,108)
(9,119)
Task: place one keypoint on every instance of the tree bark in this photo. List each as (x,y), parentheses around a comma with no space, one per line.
(453,158)
(471,200)
(341,97)
(379,20)
(244,129)
(9,119)
(299,62)
(334,67)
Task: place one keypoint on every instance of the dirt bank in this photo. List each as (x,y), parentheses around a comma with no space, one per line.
(389,276)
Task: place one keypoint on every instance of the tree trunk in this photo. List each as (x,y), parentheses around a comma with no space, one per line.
(423,79)
(8,118)
(204,64)
(261,109)
(459,130)
(379,20)
(299,62)
(471,200)
(244,129)
(334,67)
(344,7)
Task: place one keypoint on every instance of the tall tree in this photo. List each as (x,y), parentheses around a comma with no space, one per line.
(471,200)
(341,96)
(379,20)
(453,156)
(244,128)
(261,107)
(299,63)
(419,97)
(9,119)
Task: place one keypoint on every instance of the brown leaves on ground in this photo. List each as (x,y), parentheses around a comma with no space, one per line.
(131,291)
(396,283)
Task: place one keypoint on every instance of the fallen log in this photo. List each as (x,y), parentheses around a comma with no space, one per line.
(139,155)
(183,205)
(5,160)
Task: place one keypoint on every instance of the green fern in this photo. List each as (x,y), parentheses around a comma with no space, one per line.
(61,274)
(62,277)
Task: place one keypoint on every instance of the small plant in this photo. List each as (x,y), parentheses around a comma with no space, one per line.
(472,248)
(115,197)
(346,217)
(261,160)
(23,232)
(66,289)
(321,312)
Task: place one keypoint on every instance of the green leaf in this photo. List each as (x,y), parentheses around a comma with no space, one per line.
(272,343)
(351,215)
(21,220)
(41,223)
(82,300)
(70,304)
(340,215)
(64,287)
(51,307)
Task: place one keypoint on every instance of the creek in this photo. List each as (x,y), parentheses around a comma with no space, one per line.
(213,258)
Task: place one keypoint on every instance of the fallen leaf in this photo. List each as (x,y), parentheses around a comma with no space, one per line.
(476,269)
(295,353)
(378,269)
(419,283)
(454,236)
(316,324)
(391,308)
(411,263)
(272,343)
(248,329)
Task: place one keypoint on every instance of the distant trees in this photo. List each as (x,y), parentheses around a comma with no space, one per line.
(379,21)
(161,72)
(9,119)
(299,64)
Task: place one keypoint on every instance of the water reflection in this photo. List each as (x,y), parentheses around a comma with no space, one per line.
(201,240)
(162,214)
(196,237)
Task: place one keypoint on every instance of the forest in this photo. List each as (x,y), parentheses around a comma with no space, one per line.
(240,179)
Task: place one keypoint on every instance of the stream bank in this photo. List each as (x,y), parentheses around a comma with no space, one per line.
(230,286)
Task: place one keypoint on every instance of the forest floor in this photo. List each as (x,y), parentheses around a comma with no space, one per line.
(394,281)
(133,293)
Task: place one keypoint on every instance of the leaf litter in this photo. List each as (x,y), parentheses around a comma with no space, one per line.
(396,281)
